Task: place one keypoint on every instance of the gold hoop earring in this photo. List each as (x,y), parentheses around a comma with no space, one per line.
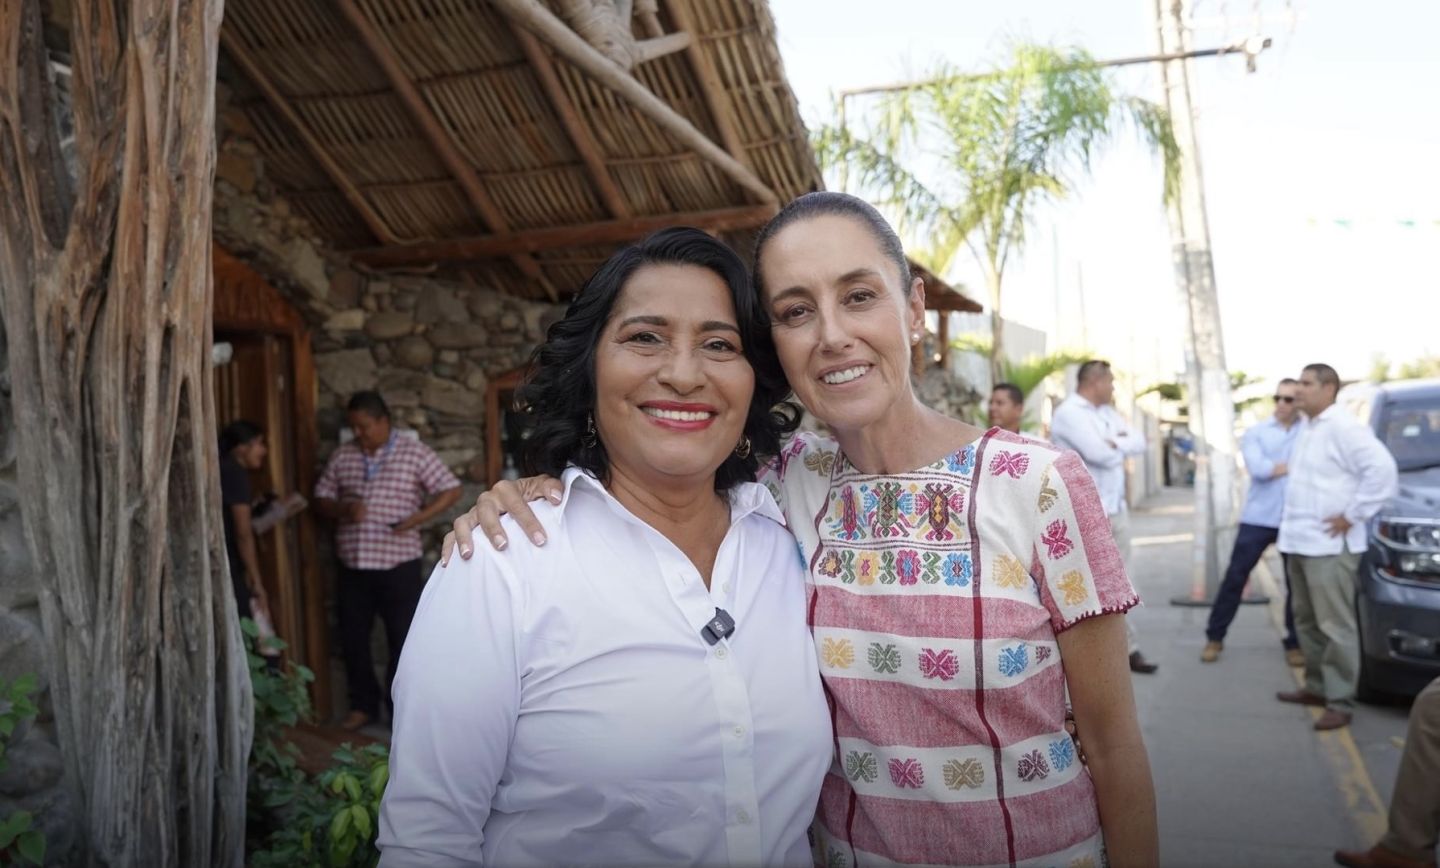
(589,439)
(742,450)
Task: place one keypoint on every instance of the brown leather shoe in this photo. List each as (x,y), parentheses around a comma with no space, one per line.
(1378,857)
(1211,652)
(1295,657)
(354,720)
(1139,664)
(1300,697)
(1332,719)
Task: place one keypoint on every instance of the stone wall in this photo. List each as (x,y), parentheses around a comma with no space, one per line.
(429,346)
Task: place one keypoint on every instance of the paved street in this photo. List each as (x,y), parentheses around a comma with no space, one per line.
(1242,779)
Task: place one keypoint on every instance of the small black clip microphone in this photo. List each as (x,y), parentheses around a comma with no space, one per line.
(718,627)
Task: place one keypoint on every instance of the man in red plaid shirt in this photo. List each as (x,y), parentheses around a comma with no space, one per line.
(380,488)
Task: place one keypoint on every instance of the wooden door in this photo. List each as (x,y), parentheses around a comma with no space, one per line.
(270,380)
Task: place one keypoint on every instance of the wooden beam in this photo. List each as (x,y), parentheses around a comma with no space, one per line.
(580,136)
(712,89)
(247,63)
(435,134)
(647,50)
(533,15)
(531,240)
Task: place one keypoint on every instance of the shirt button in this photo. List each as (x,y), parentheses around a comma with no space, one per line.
(739,732)
(720,652)
(725,586)
(742,816)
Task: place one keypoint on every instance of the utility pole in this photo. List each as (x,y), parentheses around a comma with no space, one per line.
(1212,413)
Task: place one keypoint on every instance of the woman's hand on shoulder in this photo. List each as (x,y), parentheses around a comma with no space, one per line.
(506,496)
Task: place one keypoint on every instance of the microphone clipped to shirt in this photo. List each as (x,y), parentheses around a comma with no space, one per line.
(718,627)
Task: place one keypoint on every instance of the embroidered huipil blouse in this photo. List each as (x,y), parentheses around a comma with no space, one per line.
(559,706)
(935,598)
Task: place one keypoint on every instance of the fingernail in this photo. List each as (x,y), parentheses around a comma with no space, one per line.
(554,497)
(465,552)
(500,541)
(537,538)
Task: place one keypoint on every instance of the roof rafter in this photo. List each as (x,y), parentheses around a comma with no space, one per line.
(580,136)
(532,240)
(712,89)
(533,15)
(247,63)
(439,139)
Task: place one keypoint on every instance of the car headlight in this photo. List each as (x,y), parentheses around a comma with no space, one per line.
(1410,533)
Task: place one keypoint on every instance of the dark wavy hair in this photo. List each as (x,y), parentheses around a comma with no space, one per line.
(558,395)
(238,433)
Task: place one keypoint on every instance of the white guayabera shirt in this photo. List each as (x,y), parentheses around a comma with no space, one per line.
(559,706)
(1338,467)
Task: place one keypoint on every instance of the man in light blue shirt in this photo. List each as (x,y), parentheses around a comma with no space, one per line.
(1266,448)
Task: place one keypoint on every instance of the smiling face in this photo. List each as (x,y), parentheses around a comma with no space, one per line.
(843,322)
(672,387)
(251,456)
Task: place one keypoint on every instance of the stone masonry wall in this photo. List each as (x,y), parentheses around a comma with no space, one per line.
(429,346)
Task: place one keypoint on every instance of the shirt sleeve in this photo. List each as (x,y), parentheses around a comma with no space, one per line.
(457,697)
(327,487)
(1256,463)
(1131,441)
(234,484)
(1076,562)
(1377,472)
(1072,431)
(434,475)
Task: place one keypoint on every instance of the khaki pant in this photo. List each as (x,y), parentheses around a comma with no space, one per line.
(1415,805)
(1323,589)
(1120,530)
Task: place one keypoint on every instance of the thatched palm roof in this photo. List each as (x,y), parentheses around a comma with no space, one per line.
(507,138)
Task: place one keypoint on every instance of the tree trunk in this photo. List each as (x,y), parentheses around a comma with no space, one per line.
(997,329)
(105,292)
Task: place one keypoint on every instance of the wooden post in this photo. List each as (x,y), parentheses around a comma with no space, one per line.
(105,292)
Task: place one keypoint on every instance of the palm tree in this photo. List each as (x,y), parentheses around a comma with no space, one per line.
(962,160)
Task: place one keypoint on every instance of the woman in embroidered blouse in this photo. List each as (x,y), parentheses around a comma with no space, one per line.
(564,706)
(960,582)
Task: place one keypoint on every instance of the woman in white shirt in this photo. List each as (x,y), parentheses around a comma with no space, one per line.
(644,692)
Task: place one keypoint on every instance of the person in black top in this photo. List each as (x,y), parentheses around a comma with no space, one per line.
(242,450)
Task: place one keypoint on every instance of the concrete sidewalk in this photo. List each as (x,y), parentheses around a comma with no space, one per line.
(1241,779)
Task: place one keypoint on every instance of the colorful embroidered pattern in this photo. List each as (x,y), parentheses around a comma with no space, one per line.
(884,658)
(839,653)
(1072,585)
(1013,464)
(861,766)
(960,774)
(958,569)
(1062,754)
(1032,766)
(1056,539)
(1013,660)
(938,664)
(907,773)
(936,596)
(1010,573)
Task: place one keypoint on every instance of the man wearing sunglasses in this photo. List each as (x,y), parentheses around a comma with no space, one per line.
(1266,448)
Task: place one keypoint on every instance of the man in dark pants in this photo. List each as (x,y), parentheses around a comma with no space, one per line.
(1266,448)
(380,488)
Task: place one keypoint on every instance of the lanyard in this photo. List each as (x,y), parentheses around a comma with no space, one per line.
(372,465)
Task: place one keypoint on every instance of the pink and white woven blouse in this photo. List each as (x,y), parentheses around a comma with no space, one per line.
(935,597)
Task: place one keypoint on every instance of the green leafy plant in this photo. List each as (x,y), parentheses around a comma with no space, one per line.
(964,158)
(20,841)
(298,820)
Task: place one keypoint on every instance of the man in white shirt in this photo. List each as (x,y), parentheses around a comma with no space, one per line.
(1340,477)
(1088,423)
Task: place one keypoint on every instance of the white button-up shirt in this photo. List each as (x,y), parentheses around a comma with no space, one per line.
(1339,467)
(559,706)
(1086,428)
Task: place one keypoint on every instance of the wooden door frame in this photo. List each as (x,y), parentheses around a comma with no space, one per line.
(245,301)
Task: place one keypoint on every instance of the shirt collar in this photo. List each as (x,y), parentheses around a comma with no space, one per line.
(745,497)
(1328,413)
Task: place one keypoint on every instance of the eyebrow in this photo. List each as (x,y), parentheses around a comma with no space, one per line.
(847,277)
(710,325)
